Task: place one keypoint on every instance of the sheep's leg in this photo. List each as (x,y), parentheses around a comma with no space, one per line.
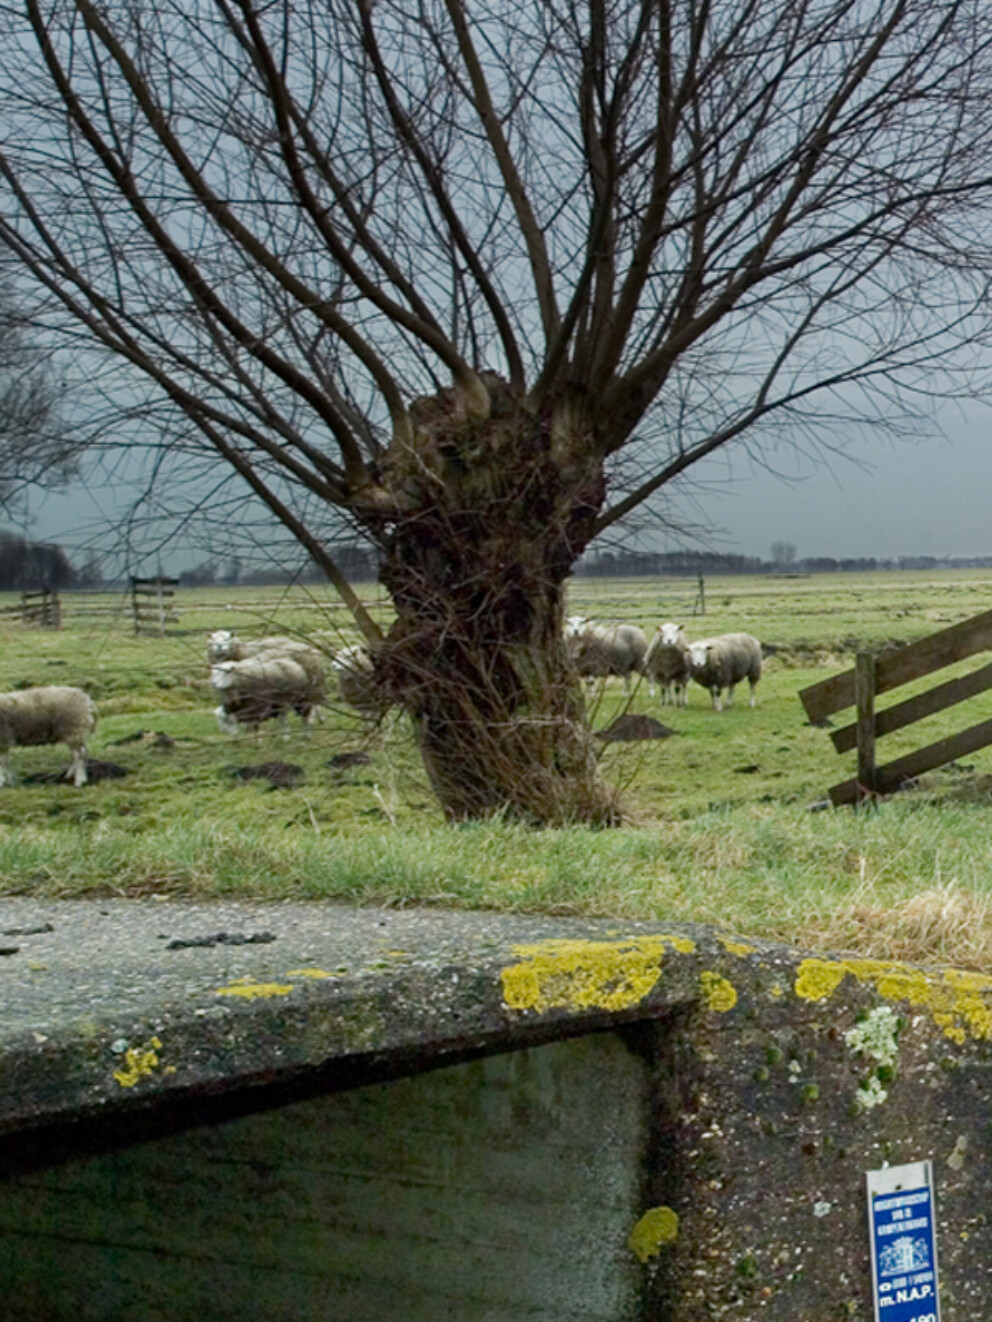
(77,767)
(730,696)
(284,725)
(715,694)
(7,775)
(754,685)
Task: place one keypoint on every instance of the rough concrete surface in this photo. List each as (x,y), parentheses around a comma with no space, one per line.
(777,1078)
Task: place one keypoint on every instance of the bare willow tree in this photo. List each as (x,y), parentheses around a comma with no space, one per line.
(439,264)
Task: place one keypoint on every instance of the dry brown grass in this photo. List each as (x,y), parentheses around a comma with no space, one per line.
(942,925)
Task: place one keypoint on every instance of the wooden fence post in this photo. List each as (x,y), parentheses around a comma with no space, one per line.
(864,690)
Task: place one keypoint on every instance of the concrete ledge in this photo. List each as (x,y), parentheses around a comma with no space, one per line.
(773,1078)
(107,1006)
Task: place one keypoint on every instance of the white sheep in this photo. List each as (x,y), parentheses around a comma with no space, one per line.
(721,663)
(599,650)
(53,714)
(225,645)
(667,663)
(260,688)
(357,682)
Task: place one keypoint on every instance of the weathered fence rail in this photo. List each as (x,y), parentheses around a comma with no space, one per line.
(874,675)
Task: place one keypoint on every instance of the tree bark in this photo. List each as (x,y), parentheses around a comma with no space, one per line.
(495,512)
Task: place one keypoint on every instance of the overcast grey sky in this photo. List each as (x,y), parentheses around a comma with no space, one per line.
(917,497)
(925,497)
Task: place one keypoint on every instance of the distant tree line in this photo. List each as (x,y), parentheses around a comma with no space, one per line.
(27,566)
(358,563)
(639,564)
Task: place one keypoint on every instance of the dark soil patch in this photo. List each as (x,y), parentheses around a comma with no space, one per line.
(341,761)
(95,771)
(280,775)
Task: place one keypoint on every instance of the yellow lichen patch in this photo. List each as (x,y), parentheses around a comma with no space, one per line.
(718,993)
(656,1228)
(819,978)
(582,975)
(736,947)
(139,1062)
(311,973)
(960,1003)
(250,990)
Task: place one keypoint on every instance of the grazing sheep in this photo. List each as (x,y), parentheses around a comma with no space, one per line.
(259,688)
(599,650)
(720,663)
(357,683)
(225,645)
(54,714)
(667,663)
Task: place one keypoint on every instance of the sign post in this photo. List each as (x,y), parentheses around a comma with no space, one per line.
(901,1216)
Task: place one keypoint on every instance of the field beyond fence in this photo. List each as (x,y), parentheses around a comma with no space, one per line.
(730,818)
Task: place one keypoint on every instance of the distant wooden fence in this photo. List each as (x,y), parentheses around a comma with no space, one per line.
(874,675)
(38,610)
(41,610)
(153,604)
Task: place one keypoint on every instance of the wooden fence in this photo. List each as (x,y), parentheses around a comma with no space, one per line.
(153,604)
(41,610)
(874,675)
(37,610)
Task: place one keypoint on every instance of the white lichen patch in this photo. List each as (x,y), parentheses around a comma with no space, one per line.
(877,1036)
(870,1094)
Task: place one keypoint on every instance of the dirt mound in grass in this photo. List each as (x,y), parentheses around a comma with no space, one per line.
(632,727)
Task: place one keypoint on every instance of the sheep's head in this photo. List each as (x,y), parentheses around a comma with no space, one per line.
(354,660)
(670,634)
(698,652)
(576,625)
(220,645)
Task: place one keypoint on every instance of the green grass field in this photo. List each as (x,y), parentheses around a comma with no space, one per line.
(729,821)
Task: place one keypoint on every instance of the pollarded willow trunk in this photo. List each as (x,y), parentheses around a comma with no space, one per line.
(495,513)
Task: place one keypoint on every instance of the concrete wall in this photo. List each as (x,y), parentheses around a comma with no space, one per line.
(691,1147)
(492,1191)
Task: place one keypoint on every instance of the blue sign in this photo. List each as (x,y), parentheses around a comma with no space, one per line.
(903,1243)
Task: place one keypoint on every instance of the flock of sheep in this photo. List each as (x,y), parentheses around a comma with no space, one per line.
(719,664)
(262,679)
